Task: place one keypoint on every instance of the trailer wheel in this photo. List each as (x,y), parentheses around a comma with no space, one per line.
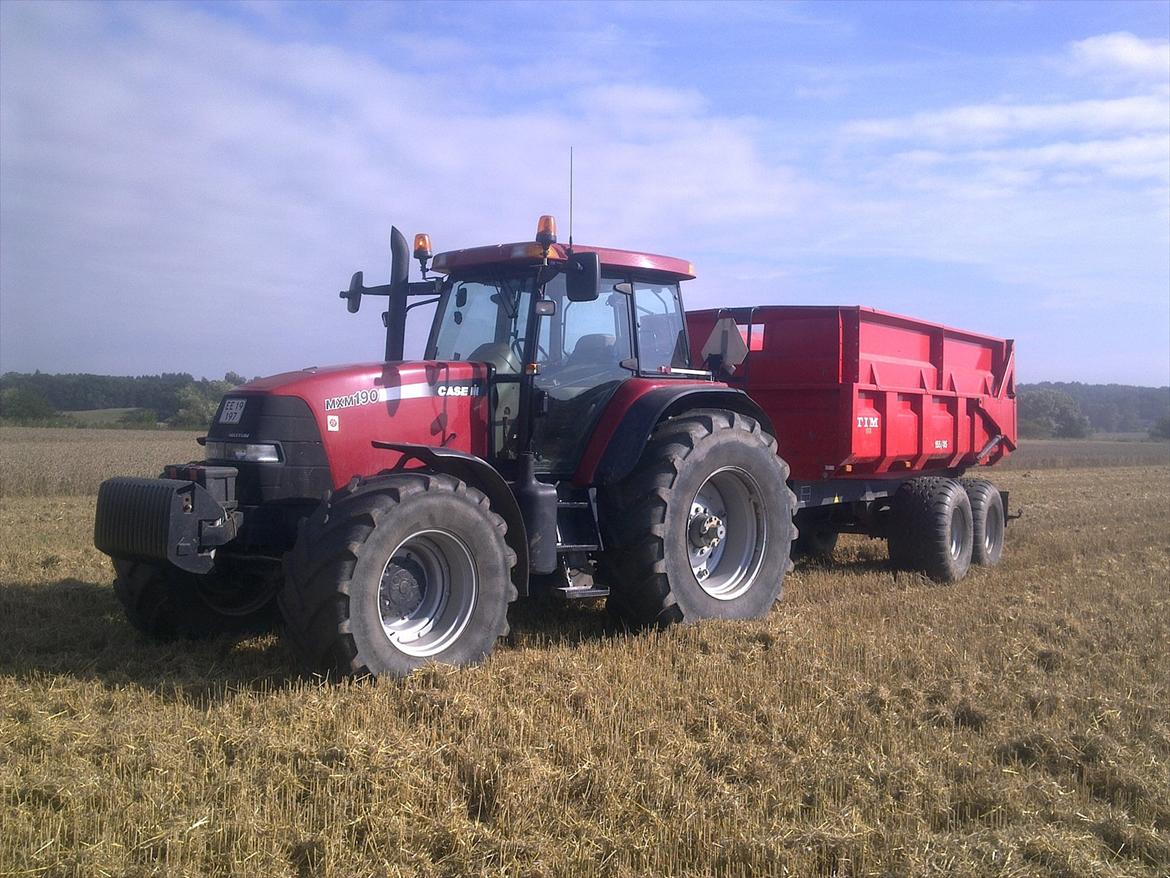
(164,602)
(987,521)
(702,527)
(931,528)
(396,571)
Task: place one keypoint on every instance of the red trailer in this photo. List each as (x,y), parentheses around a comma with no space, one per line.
(862,400)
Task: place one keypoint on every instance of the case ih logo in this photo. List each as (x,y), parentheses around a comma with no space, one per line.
(458,390)
(868,422)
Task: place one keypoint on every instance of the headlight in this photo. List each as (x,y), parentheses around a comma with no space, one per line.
(243,451)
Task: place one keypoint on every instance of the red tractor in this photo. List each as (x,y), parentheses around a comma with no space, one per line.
(569,428)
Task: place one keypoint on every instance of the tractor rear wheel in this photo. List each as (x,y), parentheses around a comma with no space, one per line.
(987,521)
(164,602)
(931,528)
(396,571)
(703,526)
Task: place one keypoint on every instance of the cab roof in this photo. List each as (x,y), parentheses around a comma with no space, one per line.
(527,252)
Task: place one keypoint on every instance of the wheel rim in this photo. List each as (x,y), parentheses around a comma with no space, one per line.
(427,593)
(726,533)
(992,530)
(959,528)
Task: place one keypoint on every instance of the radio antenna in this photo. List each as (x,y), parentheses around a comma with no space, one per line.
(570,198)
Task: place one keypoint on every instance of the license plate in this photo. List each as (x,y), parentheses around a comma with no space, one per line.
(233,410)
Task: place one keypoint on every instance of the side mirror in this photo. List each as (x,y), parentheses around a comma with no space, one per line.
(546,307)
(583,277)
(725,348)
(353,296)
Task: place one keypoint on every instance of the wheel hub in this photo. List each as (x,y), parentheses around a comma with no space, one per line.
(404,586)
(706,531)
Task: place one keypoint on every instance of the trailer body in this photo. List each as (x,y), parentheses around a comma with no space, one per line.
(861,394)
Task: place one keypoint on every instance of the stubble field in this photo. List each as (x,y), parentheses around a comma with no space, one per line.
(1015,724)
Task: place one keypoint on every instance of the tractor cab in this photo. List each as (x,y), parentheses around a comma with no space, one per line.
(560,329)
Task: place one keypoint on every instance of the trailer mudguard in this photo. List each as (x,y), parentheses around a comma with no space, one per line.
(624,429)
(480,474)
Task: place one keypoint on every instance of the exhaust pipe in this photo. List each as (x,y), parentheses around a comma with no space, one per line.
(399,279)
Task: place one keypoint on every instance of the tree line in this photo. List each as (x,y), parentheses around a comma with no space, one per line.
(1073,410)
(177,399)
(173,399)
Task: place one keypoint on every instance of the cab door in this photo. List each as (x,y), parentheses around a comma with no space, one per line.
(585,356)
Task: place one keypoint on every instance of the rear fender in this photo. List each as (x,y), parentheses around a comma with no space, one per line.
(479,474)
(620,437)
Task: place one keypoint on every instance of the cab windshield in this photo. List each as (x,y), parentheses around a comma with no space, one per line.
(483,320)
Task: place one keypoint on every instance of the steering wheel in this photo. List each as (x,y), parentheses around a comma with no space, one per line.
(518,349)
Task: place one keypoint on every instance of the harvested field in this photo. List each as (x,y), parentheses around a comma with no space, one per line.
(1068,453)
(40,462)
(1015,724)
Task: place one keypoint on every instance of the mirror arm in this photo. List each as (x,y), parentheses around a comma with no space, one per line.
(423,302)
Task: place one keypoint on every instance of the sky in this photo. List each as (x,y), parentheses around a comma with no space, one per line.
(185,187)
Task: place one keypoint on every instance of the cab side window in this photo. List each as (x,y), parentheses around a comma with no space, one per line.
(597,331)
(662,340)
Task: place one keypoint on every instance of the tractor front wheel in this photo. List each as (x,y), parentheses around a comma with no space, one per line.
(396,571)
(703,526)
(164,602)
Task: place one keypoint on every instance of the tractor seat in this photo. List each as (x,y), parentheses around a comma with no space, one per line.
(596,348)
(499,354)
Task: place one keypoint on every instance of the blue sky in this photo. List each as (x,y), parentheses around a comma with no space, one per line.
(185,187)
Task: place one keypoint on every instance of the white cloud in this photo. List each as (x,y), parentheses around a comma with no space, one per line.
(989,123)
(1142,157)
(1122,55)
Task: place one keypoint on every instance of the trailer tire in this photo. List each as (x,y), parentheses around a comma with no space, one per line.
(931,528)
(396,571)
(987,517)
(166,603)
(708,496)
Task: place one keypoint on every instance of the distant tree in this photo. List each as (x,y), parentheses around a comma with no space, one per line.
(1161,428)
(198,402)
(235,379)
(141,418)
(1048,413)
(24,405)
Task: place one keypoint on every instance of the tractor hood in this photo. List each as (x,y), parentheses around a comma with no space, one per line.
(399,380)
(425,402)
